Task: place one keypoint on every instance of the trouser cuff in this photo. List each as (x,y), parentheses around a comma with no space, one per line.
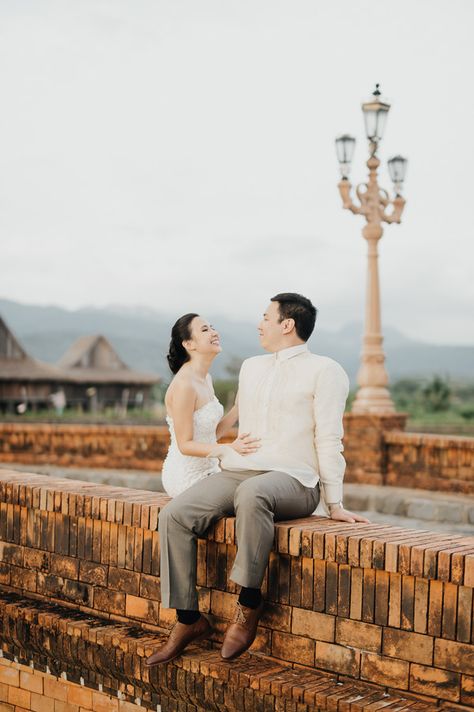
(246,578)
(183,603)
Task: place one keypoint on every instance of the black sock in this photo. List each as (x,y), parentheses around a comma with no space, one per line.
(250,597)
(188,617)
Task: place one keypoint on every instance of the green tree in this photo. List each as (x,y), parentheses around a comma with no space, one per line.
(436,395)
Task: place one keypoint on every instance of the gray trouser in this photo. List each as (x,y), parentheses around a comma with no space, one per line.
(257,499)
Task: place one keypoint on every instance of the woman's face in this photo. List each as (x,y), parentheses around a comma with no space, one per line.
(204,338)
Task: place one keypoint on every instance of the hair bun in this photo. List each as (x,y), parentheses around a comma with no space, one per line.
(174,361)
(181,331)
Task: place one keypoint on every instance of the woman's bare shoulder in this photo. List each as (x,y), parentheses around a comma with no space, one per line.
(180,387)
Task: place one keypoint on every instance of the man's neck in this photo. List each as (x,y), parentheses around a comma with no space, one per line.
(289,345)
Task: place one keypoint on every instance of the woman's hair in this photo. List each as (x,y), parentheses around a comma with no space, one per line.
(180,332)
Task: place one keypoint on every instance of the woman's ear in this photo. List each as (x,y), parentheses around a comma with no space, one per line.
(188,345)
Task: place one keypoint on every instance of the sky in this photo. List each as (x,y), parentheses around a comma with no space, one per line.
(179,154)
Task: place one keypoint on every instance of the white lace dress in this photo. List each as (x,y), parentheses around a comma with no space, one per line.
(181,471)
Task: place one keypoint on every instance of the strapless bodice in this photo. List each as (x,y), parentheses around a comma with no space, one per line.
(181,471)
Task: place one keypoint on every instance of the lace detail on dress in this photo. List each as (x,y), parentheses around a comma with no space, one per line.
(182,471)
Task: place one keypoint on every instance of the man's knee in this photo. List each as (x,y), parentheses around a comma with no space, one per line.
(252,494)
(169,514)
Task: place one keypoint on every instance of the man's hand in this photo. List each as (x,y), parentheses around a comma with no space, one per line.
(343,515)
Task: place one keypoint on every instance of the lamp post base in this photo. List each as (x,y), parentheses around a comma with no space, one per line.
(373,399)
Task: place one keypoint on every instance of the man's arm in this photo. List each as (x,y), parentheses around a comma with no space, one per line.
(332,389)
(330,397)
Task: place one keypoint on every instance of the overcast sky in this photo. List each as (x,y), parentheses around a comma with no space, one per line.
(179,154)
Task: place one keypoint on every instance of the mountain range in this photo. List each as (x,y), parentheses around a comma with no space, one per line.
(141,336)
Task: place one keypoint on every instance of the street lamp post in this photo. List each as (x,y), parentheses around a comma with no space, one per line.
(373,395)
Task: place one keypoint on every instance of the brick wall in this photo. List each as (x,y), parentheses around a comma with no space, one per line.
(376,449)
(25,688)
(434,462)
(112,446)
(144,447)
(364,445)
(360,612)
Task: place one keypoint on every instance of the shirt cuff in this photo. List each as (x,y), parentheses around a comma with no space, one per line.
(332,492)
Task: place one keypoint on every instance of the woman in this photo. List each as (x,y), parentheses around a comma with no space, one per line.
(194,415)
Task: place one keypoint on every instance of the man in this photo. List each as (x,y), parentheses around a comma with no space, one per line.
(294,402)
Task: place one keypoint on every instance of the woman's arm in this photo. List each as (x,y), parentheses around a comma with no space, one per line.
(228,421)
(184,400)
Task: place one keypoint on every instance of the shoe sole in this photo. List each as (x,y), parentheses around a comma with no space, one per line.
(237,655)
(204,636)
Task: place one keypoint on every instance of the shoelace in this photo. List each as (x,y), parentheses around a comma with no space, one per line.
(240,615)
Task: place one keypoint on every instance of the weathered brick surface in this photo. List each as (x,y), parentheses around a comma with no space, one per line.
(40,691)
(144,447)
(369,604)
(364,445)
(107,657)
(434,462)
(376,449)
(115,446)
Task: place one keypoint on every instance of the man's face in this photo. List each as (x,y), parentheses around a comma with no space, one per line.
(270,329)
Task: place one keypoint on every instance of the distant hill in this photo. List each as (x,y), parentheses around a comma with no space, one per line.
(141,337)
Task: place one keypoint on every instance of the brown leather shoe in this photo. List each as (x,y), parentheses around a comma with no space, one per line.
(240,635)
(180,637)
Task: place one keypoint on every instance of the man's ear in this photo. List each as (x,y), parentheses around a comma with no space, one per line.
(288,326)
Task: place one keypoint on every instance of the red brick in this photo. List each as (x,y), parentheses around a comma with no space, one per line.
(109,601)
(17,696)
(60,706)
(384,671)
(357,634)
(55,688)
(450,655)
(104,703)
(337,658)
(277,617)
(142,608)
(9,676)
(421,605)
(293,648)
(31,681)
(40,703)
(467,690)
(317,626)
(464,615)
(64,566)
(123,580)
(435,608)
(413,647)
(78,695)
(435,682)
(91,572)
(150,587)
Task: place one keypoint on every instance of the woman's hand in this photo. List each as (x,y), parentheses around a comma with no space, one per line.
(245,445)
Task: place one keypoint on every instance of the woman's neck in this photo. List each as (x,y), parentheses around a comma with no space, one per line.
(200,367)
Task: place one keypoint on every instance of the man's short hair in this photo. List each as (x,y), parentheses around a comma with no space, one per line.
(300,309)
